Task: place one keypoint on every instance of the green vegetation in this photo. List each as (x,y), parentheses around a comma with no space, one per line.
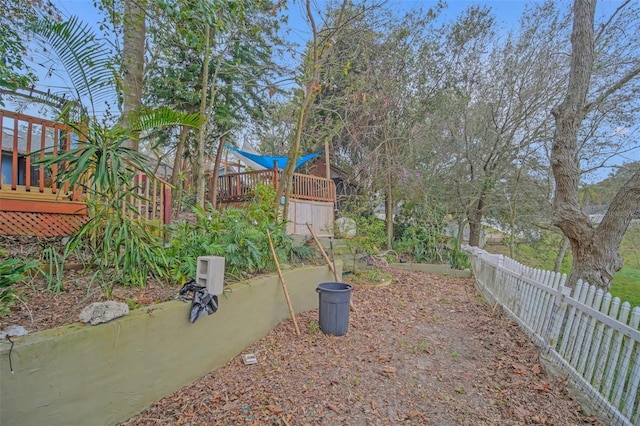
(626,285)
(419,235)
(238,234)
(119,247)
(12,271)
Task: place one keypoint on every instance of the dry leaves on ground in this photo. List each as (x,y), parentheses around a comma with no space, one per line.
(424,350)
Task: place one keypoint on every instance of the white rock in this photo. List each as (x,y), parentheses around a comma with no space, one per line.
(346,227)
(13,331)
(100,312)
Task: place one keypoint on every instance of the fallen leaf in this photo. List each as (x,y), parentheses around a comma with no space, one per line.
(520,369)
(275,409)
(542,387)
(540,420)
(333,408)
(521,411)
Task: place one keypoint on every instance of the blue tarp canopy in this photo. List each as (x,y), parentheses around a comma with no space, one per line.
(267,162)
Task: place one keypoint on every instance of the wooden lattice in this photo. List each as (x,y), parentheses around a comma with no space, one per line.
(40,224)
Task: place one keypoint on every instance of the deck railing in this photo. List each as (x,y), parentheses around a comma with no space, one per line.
(29,187)
(151,199)
(25,139)
(237,187)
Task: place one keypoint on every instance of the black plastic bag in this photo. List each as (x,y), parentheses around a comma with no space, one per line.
(201,302)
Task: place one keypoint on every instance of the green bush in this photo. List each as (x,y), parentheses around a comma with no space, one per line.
(12,271)
(237,234)
(371,234)
(458,259)
(419,233)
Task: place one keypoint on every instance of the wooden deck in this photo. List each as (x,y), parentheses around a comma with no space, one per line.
(312,198)
(31,203)
(236,187)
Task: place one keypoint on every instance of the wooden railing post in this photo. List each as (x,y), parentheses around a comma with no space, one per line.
(14,157)
(27,158)
(1,137)
(166,217)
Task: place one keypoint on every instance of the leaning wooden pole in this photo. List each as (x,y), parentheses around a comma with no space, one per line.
(326,258)
(284,286)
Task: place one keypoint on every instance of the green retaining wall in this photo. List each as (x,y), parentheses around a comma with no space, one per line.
(433,269)
(105,374)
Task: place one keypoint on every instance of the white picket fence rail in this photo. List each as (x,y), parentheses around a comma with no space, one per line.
(590,335)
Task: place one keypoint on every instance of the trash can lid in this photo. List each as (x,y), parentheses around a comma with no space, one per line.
(334,287)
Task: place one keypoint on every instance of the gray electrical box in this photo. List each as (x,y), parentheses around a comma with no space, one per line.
(210,273)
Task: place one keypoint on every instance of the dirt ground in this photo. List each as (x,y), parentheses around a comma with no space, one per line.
(425,350)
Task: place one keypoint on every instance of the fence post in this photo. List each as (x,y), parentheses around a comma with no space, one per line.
(557,313)
(497,286)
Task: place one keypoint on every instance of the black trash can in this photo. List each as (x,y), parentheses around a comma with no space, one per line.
(334,307)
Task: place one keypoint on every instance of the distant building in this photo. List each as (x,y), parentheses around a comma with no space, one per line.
(596,213)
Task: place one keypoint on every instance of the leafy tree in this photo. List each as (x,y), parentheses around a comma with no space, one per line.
(227,84)
(16,16)
(319,51)
(373,89)
(498,105)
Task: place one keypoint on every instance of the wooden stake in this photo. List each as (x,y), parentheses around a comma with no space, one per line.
(326,258)
(284,286)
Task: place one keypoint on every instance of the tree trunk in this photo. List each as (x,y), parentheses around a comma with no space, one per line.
(177,161)
(460,236)
(309,93)
(216,172)
(134,33)
(286,180)
(597,260)
(475,221)
(560,257)
(388,214)
(388,199)
(177,176)
(595,251)
(200,151)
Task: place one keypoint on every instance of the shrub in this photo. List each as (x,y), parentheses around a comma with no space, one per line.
(419,232)
(12,271)
(237,234)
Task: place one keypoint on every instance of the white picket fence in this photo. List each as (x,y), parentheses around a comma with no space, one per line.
(590,335)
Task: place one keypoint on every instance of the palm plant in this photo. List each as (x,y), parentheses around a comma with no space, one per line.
(119,247)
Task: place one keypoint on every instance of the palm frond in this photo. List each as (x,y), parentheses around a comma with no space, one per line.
(153,118)
(86,60)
